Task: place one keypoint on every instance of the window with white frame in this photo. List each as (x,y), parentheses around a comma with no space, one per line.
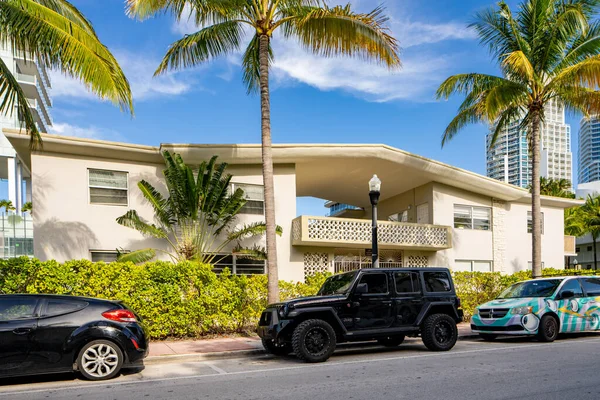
(469,217)
(107,256)
(238,264)
(530,222)
(108,187)
(473,266)
(255,198)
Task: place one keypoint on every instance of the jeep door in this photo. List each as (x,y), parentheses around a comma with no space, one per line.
(373,309)
(408,300)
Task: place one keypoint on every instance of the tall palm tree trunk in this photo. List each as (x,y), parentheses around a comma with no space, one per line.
(536,204)
(267,164)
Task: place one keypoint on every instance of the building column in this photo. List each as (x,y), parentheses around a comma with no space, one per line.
(498,235)
(19,188)
(12,179)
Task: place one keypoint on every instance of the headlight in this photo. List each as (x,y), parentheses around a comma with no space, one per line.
(522,310)
(283,311)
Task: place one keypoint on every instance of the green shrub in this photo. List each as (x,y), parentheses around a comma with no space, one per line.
(173,300)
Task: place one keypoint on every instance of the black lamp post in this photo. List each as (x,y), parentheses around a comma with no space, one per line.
(374,192)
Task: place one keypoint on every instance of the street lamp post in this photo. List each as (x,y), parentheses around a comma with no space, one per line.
(574,263)
(374,192)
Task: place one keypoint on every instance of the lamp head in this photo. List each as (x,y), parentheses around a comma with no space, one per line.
(375,184)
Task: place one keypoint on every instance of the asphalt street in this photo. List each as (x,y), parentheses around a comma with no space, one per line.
(506,369)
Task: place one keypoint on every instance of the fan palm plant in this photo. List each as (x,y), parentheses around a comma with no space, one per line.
(321,29)
(547,52)
(196,216)
(59,36)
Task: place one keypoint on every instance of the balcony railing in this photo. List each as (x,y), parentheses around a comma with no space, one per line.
(356,233)
(26,78)
(16,235)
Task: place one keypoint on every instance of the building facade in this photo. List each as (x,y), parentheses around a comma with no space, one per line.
(589,150)
(431,214)
(509,159)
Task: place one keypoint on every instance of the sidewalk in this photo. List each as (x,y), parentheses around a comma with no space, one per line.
(226,347)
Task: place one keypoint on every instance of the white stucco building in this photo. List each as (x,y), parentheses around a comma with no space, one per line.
(452,217)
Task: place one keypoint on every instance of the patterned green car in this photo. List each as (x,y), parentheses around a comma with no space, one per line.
(544,307)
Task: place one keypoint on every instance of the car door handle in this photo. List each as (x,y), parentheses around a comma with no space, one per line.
(22,331)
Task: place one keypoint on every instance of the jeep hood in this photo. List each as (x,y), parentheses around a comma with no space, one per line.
(312,301)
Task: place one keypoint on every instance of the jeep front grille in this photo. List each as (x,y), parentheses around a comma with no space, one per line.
(265,318)
(491,313)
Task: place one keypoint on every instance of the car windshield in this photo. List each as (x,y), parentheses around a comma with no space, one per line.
(337,284)
(537,288)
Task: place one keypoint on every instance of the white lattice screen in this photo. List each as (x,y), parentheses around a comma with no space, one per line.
(417,261)
(315,263)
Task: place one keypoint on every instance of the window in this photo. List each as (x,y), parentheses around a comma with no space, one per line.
(468,217)
(255,198)
(530,222)
(437,281)
(106,256)
(407,282)
(108,187)
(473,266)
(58,307)
(376,283)
(577,249)
(574,286)
(17,308)
(589,248)
(591,286)
(238,264)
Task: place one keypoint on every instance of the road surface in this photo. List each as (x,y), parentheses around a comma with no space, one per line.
(506,369)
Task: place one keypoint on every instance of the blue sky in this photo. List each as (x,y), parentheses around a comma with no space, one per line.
(314,99)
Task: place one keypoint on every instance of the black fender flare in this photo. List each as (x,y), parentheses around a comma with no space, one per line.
(329,310)
(425,311)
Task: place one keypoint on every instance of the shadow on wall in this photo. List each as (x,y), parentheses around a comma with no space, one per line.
(517,266)
(41,184)
(157,180)
(61,240)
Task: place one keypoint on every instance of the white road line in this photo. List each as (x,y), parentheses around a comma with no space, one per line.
(217,369)
(299,367)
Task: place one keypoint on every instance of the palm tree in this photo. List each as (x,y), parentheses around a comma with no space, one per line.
(324,30)
(547,52)
(7,205)
(586,219)
(555,187)
(27,207)
(195,217)
(58,35)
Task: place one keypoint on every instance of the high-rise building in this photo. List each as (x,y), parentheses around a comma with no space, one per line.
(33,78)
(509,159)
(589,150)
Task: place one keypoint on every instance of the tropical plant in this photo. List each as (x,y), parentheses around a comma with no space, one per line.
(555,188)
(196,216)
(324,30)
(585,219)
(27,207)
(7,205)
(61,37)
(547,52)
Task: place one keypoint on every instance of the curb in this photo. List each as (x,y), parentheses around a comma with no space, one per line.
(171,358)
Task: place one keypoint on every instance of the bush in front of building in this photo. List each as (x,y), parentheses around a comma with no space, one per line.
(173,300)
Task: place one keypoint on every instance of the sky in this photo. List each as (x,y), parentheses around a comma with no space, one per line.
(314,99)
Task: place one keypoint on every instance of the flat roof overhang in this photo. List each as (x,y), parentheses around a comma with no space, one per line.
(337,172)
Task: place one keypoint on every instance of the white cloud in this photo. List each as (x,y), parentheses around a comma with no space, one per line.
(414,33)
(186,24)
(89,132)
(138,69)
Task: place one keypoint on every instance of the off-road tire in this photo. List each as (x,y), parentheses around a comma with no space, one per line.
(277,349)
(548,329)
(488,337)
(391,341)
(439,332)
(307,338)
(114,357)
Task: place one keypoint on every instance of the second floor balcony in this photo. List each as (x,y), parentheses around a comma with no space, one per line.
(356,233)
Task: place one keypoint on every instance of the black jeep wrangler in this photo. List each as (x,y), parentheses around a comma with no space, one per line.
(367,304)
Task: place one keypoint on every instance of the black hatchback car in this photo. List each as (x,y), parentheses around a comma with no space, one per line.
(41,334)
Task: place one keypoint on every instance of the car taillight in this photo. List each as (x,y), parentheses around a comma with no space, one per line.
(120,315)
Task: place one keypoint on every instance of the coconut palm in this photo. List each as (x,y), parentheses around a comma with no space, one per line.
(321,29)
(196,217)
(586,220)
(547,52)
(555,187)
(7,205)
(57,34)
(27,207)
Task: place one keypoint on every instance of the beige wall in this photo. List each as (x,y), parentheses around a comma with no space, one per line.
(409,200)
(67,226)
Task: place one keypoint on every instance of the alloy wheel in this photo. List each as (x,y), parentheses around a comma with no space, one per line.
(100,360)
(317,340)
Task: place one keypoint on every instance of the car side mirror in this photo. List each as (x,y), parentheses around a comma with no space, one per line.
(361,288)
(567,294)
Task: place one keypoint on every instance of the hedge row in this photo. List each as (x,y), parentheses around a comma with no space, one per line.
(189,300)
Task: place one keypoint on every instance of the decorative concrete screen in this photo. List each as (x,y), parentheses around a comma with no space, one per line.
(315,263)
(329,232)
(417,261)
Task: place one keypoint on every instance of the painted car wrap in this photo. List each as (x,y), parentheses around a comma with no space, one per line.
(576,314)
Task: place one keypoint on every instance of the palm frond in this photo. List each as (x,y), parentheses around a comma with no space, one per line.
(250,230)
(137,256)
(69,11)
(14,100)
(251,64)
(131,219)
(160,205)
(255,252)
(508,116)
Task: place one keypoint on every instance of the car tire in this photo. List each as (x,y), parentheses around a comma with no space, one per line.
(277,349)
(100,360)
(391,341)
(488,337)
(314,341)
(548,329)
(439,332)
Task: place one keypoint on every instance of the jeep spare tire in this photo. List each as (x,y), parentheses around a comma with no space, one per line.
(439,332)
(314,341)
